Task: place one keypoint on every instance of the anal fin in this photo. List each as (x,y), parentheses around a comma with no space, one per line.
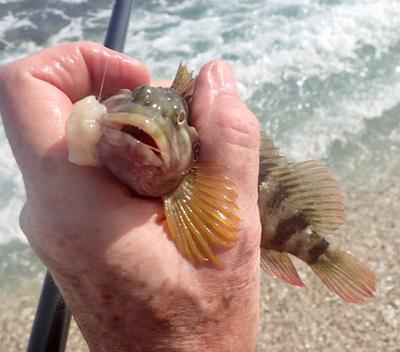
(280,266)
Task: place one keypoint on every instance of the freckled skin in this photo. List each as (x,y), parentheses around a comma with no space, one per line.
(158,315)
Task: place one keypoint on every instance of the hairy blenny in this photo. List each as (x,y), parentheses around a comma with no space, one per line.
(144,138)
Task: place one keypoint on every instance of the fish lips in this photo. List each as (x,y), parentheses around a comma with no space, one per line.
(144,134)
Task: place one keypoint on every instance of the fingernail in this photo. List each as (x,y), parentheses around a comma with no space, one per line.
(221,77)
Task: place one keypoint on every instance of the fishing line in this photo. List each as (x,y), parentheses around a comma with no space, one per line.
(51,325)
(104,77)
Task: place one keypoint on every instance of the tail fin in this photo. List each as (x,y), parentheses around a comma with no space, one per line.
(344,275)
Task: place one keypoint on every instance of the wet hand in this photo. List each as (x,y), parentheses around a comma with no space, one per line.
(109,252)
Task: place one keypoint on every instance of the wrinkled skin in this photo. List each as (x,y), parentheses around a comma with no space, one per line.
(126,284)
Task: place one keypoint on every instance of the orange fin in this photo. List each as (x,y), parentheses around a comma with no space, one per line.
(344,275)
(201,214)
(279,265)
(184,82)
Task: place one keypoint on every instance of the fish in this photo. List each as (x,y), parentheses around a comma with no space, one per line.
(144,138)
(300,204)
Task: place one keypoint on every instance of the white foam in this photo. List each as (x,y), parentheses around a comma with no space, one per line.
(12,193)
(341,121)
(73,30)
(7,1)
(267,42)
(75,1)
(268,45)
(10,21)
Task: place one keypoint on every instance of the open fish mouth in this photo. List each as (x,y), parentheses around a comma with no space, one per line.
(142,137)
(142,130)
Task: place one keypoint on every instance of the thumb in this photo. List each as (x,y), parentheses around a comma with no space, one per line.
(229,132)
(230,135)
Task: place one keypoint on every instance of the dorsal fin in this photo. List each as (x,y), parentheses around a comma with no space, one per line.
(310,188)
(184,82)
(269,156)
(268,151)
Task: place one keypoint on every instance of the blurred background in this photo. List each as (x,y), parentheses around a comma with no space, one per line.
(323,77)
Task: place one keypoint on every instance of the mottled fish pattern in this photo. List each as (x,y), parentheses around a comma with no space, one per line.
(145,139)
(299,204)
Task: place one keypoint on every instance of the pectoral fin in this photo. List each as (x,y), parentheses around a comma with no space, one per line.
(201,214)
(279,265)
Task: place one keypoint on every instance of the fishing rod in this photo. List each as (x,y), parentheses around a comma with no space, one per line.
(52,320)
(118,26)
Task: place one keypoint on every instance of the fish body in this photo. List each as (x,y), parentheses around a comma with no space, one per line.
(147,142)
(300,204)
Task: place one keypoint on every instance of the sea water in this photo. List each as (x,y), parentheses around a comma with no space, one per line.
(323,77)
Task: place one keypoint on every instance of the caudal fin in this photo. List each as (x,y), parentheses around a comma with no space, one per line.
(344,275)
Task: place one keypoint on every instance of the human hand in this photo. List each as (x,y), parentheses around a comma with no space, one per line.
(109,253)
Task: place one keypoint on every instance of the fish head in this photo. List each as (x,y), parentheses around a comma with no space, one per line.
(147,141)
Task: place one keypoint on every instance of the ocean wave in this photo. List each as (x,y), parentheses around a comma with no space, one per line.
(315,73)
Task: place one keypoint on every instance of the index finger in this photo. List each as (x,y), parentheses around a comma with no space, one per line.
(36,93)
(84,68)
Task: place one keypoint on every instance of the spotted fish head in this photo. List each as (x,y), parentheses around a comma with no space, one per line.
(147,140)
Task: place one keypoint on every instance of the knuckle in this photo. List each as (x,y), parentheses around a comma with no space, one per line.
(237,123)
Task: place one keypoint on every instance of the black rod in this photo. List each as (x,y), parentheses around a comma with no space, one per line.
(118,26)
(51,325)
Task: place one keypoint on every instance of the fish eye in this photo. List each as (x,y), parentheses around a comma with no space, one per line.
(196,151)
(181,118)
